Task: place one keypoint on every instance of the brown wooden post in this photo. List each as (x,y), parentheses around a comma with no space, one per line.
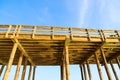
(85,74)
(30,70)
(67,63)
(63,68)
(105,64)
(114,71)
(24,70)
(81,69)
(10,61)
(33,78)
(89,72)
(118,62)
(18,67)
(98,67)
(1,70)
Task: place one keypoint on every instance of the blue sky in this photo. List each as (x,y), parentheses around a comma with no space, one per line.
(97,14)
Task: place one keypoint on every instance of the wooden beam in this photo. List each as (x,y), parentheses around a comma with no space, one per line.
(3,62)
(23,50)
(96,51)
(18,67)
(34,69)
(98,67)
(114,71)
(10,61)
(24,70)
(113,57)
(118,62)
(81,69)
(89,72)
(30,70)
(1,70)
(85,73)
(105,64)
(10,26)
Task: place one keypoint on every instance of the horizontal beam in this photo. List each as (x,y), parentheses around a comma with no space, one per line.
(23,51)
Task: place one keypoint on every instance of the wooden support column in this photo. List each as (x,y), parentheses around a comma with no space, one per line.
(33,78)
(98,67)
(63,69)
(89,72)
(118,62)
(67,63)
(85,74)
(114,71)
(105,64)
(18,67)
(1,70)
(81,69)
(24,70)
(10,61)
(30,70)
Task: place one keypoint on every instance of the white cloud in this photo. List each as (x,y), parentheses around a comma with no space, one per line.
(83,11)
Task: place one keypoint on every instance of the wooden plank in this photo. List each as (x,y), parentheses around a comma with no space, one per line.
(114,71)
(81,69)
(33,78)
(18,67)
(24,70)
(98,67)
(105,64)
(23,51)
(3,62)
(1,70)
(30,70)
(10,61)
(89,72)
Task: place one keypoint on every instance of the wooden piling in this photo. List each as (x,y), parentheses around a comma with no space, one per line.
(118,62)
(18,67)
(81,69)
(114,70)
(30,70)
(105,64)
(98,67)
(24,70)
(10,61)
(89,72)
(85,73)
(1,70)
(33,78)
(67,63)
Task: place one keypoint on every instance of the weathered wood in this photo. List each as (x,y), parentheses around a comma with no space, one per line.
(8,31)
(67,63)
(98,67)
(105,64)
(89,72)
(1,70)
(33,78)
(23,51)
(30,70)
(118,62)
(24,70)
(85,73)
(18,67)
(81,69)
(114,71)
(10,61)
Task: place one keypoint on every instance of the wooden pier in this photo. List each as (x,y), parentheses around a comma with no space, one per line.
(58,46)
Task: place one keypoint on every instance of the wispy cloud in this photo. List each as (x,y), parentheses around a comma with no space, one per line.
(83,11)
